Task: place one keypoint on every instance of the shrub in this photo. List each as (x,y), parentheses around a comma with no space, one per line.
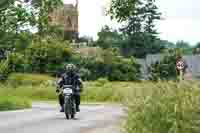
(165,69)
(85,73)
(110,65)
(47,56)
(17,62)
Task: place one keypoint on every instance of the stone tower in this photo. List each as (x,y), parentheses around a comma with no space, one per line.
(67,18)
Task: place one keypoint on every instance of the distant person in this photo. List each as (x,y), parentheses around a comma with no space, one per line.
(70,77)
(185,64)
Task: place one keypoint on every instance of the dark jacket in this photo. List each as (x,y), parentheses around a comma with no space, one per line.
(71,79)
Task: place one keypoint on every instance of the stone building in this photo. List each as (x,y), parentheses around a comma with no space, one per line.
(67,18)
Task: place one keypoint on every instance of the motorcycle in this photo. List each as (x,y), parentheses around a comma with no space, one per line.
(69,101)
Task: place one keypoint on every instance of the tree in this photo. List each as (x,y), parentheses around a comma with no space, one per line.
(14,19)
(109,38)
(197,45)
(185,46)
(182,44)
(47,55)
(5,3)
(140,16)
(196,49)
(42,10)
(167,44)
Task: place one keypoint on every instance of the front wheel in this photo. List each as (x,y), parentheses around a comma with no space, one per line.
(67,107)
(73,111)
(70,109)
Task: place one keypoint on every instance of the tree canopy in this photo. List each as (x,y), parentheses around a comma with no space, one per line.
(140,17)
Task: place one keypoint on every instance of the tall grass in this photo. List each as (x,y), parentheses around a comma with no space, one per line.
(13,103)
(25,79)
(169,108)
(20,89)
(40,92)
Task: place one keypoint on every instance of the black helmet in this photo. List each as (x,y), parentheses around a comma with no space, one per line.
(70,68)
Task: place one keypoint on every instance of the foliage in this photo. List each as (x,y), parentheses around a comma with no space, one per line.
(168,108)
(42,10)
(185,46)
(105,92)
(165,69)
(47,56)
(15,17)
(16,43)
(55,31)
(17,62)
(4,69)
(109,38)
(34,87)
(197,45)
(109,65)
(13,103)
(24,79)
(15,20)
(167,44)
(85,74)
(140,16)
(121,10)
(182,44)
(31,86)
(196,49)
(5,3)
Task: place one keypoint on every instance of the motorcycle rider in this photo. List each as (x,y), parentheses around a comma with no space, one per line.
(70,77)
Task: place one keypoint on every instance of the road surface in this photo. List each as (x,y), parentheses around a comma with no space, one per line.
(45,118)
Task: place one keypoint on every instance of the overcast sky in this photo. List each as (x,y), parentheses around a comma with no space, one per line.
(181,19)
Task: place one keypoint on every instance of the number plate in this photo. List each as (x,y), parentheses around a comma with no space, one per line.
(67,91)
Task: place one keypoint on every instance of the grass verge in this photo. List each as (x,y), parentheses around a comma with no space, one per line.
(169,108)
(13,103)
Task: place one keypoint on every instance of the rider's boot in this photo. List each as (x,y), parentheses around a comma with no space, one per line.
(62,109)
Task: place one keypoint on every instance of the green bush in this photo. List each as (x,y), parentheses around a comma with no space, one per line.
(84,73)
(47,56)
(13,103)
(17,62)
(165,69)
(110,65)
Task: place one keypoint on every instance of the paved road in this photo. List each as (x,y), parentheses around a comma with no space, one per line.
(45,118)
